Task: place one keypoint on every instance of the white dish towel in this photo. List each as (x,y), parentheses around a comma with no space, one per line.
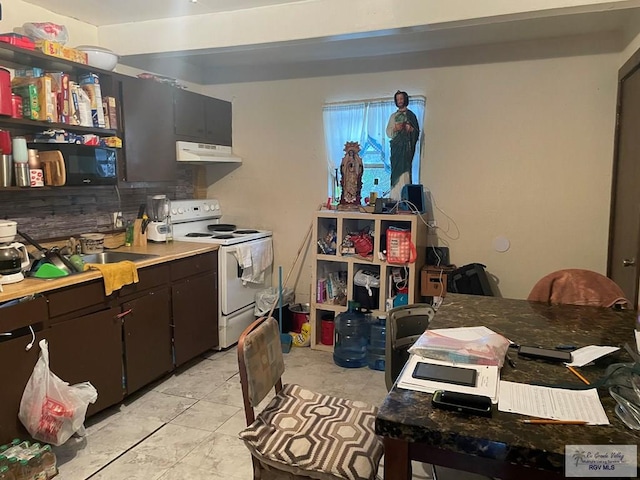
(254,258)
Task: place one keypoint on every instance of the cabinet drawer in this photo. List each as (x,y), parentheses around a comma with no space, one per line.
(77,297)
(206,262)
(149,277)
(23,314)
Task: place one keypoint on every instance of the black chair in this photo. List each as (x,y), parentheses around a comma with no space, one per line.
(404,326)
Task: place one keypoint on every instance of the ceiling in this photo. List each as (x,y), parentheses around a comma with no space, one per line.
(418,47)
(126,11)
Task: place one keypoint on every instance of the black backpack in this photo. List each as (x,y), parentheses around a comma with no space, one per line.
(471,279)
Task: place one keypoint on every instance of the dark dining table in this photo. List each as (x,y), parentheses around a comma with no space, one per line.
(502,446)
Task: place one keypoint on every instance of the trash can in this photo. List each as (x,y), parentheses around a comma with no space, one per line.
(300,315)
(267,297)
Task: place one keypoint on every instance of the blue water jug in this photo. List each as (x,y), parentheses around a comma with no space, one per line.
(351,338)
(377,344)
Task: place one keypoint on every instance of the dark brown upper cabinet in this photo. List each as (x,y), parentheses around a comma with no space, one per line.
(149,143)
(199,118)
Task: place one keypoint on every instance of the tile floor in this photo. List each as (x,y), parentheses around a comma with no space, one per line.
(185,427)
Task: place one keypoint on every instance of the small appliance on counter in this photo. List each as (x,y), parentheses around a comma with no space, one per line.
(159,210)
(14,257)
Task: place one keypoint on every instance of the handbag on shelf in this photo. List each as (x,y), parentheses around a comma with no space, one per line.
(400,248)
(363,243)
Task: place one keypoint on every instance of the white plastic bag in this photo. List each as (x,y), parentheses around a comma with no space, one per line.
(46,31)
(473,345)
(52,410)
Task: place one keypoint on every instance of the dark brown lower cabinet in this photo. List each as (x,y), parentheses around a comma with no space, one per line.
(195,316)
(147,338)
(17,366)
(89,349)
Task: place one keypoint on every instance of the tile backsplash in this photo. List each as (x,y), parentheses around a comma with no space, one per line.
(57,212)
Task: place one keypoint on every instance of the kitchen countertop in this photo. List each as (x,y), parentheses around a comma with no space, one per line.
(165,252)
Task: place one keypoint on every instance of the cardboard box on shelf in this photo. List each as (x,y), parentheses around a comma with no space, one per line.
(30,101)
(63,96)
(433,281)
(110,112)
(90,83)
(46,99)
(56,49)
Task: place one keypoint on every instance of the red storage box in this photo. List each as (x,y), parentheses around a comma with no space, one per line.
(18,40)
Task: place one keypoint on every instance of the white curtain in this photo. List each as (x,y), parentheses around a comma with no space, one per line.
(342,124)
(365,122)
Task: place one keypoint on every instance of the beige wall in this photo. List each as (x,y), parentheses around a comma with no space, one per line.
(520,148)
(15,13)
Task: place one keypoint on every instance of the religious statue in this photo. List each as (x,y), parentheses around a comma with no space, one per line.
(351,170)
(404,131)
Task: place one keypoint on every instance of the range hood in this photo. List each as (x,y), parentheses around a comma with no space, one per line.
(194,152)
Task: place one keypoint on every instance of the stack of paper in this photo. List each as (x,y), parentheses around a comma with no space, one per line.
(552,403)
(585,355)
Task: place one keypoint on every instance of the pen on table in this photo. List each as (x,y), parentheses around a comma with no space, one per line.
(566,347)
(578,374)
(554,422)
(510,360)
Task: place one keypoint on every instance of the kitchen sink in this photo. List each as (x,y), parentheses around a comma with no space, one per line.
(114,257)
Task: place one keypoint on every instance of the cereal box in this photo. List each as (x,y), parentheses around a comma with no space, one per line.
(30,102)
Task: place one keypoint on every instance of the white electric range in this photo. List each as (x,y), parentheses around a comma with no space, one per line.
(199,221)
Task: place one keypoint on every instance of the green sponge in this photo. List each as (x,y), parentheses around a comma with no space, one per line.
(48,270)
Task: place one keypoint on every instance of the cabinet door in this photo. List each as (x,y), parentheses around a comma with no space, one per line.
(17,368)
(218,121)
(149,143)
(195,316)
(89,349)
(189,116)
(147,338)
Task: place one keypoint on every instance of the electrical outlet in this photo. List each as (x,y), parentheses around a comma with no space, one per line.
(117,220)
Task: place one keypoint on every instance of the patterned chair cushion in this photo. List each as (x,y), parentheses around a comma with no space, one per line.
(323,437)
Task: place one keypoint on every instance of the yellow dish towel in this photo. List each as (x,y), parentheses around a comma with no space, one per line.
(115,275)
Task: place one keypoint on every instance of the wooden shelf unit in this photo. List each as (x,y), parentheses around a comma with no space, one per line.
(344,223)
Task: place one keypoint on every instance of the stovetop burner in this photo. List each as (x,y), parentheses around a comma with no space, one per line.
(221,227)
(196,221)
(198,234)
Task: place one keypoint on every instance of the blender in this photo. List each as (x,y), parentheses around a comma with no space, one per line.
(14,257)
(159,211)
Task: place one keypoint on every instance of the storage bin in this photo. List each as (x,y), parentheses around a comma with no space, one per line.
(327,327)
(361,295)
(366,289)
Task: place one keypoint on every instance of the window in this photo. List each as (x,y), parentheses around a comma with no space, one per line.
(365,122)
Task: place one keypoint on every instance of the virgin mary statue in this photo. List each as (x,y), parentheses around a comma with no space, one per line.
(351,170)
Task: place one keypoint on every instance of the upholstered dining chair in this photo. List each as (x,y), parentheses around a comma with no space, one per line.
(300,433)
(576,286)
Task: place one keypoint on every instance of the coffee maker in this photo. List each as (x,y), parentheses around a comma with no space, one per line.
(14,257)
(159,211)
